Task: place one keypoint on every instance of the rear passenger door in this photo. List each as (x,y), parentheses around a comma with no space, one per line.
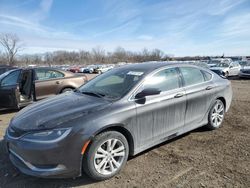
(200,91)
(48,82)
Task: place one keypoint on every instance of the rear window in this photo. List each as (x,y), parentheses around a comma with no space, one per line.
(46,74)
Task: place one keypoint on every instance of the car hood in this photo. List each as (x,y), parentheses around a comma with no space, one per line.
(53,112)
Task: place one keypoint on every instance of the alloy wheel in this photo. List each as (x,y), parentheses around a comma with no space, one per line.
(217,114)
(109,156)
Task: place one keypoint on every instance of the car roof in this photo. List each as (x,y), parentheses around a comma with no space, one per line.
(151,66)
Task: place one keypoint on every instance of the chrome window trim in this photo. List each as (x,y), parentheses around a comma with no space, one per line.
(131,96)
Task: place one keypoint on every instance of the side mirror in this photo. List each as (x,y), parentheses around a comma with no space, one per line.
(147,92)
(231,66)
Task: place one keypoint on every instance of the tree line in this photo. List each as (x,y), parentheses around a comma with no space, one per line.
(12,46)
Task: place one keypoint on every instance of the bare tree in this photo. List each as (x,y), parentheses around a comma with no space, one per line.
(10,43)
(98,55)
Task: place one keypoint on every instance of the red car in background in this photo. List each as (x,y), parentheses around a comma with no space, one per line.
(74,69)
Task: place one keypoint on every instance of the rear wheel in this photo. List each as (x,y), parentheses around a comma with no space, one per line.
(106,155)
(216,115)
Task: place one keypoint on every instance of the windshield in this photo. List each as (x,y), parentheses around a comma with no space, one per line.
(222,65)
(113,84)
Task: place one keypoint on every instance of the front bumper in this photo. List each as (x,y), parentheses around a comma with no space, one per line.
(61,159)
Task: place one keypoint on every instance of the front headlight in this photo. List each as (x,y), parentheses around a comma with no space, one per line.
(54,135)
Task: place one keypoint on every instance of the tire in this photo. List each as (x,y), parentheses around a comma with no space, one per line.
(100,165)
(66,90)
(216,115)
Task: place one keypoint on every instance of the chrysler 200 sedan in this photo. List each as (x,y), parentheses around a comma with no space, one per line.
(117,114)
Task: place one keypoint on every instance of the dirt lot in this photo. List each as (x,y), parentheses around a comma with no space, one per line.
(201,158)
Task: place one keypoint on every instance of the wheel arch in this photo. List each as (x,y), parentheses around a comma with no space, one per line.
(65,87)
(114,127)
(223,101)
(121,129)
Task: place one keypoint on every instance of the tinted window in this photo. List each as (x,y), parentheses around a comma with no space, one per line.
(191,75)
(10,79)
(44,74)
(164,80)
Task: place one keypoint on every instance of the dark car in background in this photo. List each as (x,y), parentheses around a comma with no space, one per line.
(117,114)
(5,68)
(89,69)
(245,69)
(20,87)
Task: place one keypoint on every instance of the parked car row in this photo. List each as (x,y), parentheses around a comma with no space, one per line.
(225,67)
(98,69)
(20,87)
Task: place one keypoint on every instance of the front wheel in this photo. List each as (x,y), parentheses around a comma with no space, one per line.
(66,90)
(106,156)
(216,115)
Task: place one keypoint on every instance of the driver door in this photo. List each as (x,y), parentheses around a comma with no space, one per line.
(9,90)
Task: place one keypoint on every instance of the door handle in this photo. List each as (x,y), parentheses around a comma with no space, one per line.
(58,82)
(179,95)
(209,87)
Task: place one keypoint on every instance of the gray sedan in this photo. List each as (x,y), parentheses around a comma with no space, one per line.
(117,114)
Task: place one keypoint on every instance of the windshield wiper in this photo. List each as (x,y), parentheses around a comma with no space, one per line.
(100,95)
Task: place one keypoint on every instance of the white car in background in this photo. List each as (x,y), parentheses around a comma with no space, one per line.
(89,69)
(224,66)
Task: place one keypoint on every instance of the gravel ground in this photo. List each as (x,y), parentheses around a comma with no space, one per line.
(201,158)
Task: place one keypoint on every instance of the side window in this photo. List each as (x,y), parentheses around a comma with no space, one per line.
(54,74)
(40,74)
(191,75)
(44,74)
(164,80)
(11,79)
(207,75)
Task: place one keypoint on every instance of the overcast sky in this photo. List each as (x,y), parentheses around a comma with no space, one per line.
(179,27)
